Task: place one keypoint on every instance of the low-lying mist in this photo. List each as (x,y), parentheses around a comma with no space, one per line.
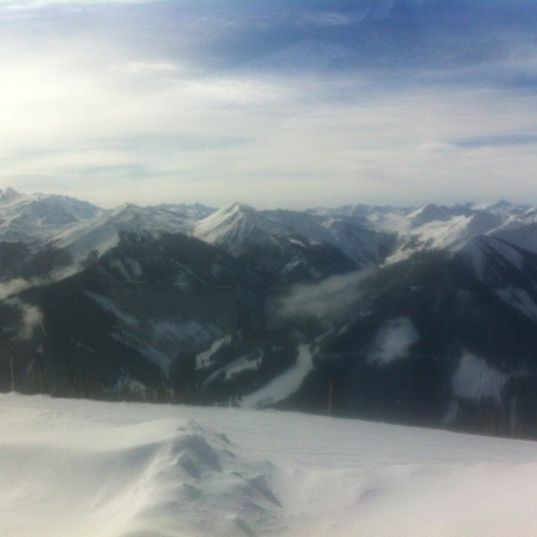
(325,301)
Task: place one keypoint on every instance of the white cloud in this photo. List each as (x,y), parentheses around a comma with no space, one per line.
(34,4)
(331,18)
(95,118)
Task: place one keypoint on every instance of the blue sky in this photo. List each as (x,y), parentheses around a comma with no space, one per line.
(271,102)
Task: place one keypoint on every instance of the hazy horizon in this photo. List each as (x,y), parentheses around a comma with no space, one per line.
(278,104)
(474,203)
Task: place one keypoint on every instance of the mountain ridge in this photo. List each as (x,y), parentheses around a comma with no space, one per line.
(423,316)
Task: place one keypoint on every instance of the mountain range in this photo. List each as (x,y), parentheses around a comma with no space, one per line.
(423,315)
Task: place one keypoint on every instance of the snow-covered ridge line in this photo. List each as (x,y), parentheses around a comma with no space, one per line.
(356,230)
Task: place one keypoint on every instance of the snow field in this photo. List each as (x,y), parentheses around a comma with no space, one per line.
(82,468)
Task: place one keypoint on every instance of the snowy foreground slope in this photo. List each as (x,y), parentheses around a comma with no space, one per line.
(90,469)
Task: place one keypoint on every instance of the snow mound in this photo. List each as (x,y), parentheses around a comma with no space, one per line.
(198,483)
(160,478)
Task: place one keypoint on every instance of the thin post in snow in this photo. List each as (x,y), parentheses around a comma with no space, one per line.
(12,371)
(330,396)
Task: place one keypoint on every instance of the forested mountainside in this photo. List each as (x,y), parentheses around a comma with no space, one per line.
(413,315)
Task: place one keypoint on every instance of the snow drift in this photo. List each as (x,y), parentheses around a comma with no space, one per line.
(137,470)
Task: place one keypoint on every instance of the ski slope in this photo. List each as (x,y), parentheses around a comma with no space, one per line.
(92,469)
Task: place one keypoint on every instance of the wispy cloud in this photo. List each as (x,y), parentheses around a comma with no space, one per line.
(327,301)
(502,140)
(331,18)
(35,4)
(285,103)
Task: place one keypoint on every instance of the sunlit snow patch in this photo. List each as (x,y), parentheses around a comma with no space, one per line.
(284,385)
(476,380)
(234,369)
(204,359)
(393,341)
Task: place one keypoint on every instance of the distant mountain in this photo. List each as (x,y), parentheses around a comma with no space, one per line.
(237,228)
(102,233)
(41,217)
(80,227)
(431,213)
(418,315)
(367,235)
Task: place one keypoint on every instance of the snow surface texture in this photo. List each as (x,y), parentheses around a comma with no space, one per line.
(91,469)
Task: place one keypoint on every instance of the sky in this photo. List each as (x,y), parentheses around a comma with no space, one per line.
(277,103)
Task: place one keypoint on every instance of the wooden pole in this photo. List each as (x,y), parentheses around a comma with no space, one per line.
(12,368)
(330,396)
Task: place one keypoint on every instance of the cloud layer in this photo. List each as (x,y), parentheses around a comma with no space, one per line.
(273,103)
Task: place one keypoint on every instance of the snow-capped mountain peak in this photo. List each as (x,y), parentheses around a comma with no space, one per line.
(365,234)
(429,213)
(234,226)
(9,195)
